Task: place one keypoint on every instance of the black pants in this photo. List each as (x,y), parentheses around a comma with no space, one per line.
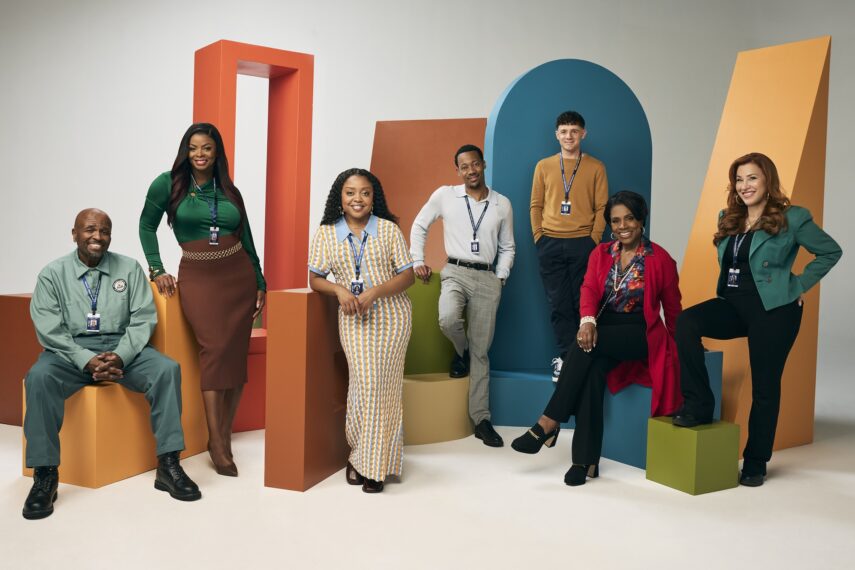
(581,386)
(563,262)
(771,335)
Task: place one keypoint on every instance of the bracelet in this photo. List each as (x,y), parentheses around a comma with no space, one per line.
(585,320)
(155,273)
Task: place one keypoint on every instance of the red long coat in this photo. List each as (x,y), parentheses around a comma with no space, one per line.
(661,370)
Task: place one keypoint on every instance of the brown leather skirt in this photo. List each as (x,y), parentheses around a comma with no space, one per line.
(218,298)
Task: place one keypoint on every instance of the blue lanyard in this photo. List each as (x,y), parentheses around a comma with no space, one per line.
(93,297)
(737,243)
(472,218)
(212,204)
(358,258)
(572,176)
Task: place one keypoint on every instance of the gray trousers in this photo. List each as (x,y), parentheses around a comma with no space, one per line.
(478,293)
(52,380)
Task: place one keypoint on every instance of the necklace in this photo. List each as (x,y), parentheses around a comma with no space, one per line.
(622,275)
(749,223)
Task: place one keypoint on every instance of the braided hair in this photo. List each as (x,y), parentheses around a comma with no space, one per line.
(332,209)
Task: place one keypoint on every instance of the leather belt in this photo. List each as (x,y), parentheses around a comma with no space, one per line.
(471,264)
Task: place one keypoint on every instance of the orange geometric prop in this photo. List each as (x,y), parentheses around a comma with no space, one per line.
(778,105)
(250,413)
(19,349)
(289,142)
(409,178)
(306,391)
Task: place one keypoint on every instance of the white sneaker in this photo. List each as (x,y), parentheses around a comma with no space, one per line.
(557,363)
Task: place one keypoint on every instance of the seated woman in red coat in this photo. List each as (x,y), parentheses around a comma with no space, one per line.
(621,339)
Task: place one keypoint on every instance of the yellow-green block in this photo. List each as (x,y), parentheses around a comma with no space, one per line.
(694,460)
(429,351)
(436,408)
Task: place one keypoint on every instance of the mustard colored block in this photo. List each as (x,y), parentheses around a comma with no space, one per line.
(436,408)
(694,460)
(106,437)
(429,350)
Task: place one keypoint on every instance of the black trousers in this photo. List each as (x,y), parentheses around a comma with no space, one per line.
(563,262)
(581,386)
(771,335)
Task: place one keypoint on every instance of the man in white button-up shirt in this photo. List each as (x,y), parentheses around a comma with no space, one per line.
(479,241)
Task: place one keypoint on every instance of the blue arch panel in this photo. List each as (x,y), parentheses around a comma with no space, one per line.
(520,131)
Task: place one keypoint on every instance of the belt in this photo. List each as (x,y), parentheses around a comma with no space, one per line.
(471,264)
(211,255)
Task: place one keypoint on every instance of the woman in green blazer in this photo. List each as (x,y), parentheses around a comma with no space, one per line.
(758,296)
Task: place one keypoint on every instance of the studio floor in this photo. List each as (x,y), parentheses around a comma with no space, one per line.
(459,505)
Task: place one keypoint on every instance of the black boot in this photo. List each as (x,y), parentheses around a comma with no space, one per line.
(459,365)
(172,479)
(39,503)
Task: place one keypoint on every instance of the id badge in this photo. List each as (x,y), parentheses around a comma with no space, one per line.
(475,246)
(357,286)
(565,208)
(733,277)
(215,236)
(93,322)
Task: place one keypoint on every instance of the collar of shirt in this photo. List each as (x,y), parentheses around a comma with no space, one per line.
(342,231)
(460,192)
(644,248)
(81,269)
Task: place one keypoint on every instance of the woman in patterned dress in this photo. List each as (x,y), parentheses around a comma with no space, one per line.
(359,242)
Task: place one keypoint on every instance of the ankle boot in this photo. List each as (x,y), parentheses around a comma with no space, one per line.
(39,503)
(172,479)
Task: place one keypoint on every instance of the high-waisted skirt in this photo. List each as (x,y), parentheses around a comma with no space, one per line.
(218,299)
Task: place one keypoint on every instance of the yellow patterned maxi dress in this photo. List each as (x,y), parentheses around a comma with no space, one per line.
(374,344)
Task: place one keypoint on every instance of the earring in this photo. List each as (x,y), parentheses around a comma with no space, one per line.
(340,211)
(613,236)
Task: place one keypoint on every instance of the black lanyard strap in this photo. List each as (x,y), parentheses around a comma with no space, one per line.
(357,258)
(213,207)
(472,218)
(572,176)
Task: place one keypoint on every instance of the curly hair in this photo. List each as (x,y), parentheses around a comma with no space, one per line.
(772,221)
(181,172)
(332,209)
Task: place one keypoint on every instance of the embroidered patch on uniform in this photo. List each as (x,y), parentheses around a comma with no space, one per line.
(119,285)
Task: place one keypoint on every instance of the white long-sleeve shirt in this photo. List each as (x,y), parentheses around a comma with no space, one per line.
(495,234)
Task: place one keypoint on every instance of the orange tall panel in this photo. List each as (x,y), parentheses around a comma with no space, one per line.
(777,104)
(306,391)
(250,412)
(289,142)
(19,349)
(414,158)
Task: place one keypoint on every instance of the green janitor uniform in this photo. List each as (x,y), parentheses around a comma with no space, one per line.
(59,310)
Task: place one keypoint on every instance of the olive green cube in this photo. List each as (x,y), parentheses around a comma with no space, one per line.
(694,460)
(429,351)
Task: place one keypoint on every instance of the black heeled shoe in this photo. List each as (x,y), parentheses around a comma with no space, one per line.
(535,438)
(372,486)
(353,476)
(577,474)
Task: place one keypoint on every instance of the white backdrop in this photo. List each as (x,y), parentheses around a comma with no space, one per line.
(95,96)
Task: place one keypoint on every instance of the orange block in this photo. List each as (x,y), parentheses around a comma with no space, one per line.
(19,349)
(306,391)
(777,104)
(250,413)
(410,178)
(106,437)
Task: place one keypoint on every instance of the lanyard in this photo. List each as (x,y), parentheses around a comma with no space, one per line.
(212,204)
(358,258)
(737,243)
(93,297)
(472,218)
(572,176)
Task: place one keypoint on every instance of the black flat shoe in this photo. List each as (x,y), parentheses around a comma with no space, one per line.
(372,486)
(535,438)
(485,432)
(172,479)
(43,494)
(459,365)
(577,474)
(751,480)
(353,476)
(683,419)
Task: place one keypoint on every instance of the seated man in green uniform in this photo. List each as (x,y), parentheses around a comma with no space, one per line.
(94,313)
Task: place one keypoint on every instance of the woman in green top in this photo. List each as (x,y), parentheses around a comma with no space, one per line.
(222,287)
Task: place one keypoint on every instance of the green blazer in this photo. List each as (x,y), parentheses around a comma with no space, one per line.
(771,258)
